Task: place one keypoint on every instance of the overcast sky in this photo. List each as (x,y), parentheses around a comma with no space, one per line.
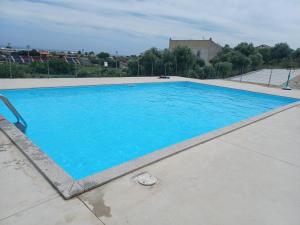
(131,26)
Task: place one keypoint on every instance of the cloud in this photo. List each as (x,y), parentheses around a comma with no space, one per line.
(152,21)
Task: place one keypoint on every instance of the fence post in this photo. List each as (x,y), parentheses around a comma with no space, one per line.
(176,64)
(48,68)
(138,66)
(287,82)
(270,77)
(242,74)
(75,69)
(10,73)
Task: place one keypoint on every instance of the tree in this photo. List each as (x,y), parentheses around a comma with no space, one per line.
(38,67)
(209,72)
(103,55)
(34,52)
(266,54)
(223,56)
(184,58)
(149,59)
(256,60)
(200,62)
(23,53)
(196,72)
(245,48)
(280,51)
(60,67)
(223,69)
(239,60)
(296,56)
(226,49)
(133,67)
(168,59)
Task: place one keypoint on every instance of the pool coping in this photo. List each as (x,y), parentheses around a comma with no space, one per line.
(68,187)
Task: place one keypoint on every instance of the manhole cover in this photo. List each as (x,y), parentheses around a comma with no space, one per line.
(146,179)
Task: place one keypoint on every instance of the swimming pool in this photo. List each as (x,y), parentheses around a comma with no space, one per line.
(89,129)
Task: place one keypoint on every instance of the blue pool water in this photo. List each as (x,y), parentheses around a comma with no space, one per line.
(86,130)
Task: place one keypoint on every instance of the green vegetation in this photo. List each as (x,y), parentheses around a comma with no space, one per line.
(58,69)
(154,62)
(245,57)
(229,62)
(96,71)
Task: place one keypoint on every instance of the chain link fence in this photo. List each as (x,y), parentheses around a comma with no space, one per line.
(270,77)
(16,66)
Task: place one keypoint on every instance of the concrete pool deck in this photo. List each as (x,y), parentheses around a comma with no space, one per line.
(249,176)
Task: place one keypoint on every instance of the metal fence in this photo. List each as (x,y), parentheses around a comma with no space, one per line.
(270,77)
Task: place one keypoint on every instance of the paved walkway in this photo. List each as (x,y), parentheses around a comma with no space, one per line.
(55,82)
(249,176)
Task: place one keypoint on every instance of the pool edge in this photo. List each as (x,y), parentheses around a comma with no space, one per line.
(68,187)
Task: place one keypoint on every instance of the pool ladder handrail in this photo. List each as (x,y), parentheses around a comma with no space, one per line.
(21,123)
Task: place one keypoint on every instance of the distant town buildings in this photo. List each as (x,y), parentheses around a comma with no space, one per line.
(28,56)
(204,49)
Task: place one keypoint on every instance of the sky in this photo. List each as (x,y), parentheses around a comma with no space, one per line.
(132,26)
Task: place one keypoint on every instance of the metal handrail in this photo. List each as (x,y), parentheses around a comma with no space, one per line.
(14,111)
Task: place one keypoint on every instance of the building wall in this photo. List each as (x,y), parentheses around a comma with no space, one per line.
(204,49)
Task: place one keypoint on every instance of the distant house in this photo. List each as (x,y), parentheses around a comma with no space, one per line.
(5,50)
(204,49)
(44,53)
(263,46)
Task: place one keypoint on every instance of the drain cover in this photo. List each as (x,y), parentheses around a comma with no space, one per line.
(146,179)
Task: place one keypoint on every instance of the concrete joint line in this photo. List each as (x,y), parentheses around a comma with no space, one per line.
(31,207)
(91,210)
